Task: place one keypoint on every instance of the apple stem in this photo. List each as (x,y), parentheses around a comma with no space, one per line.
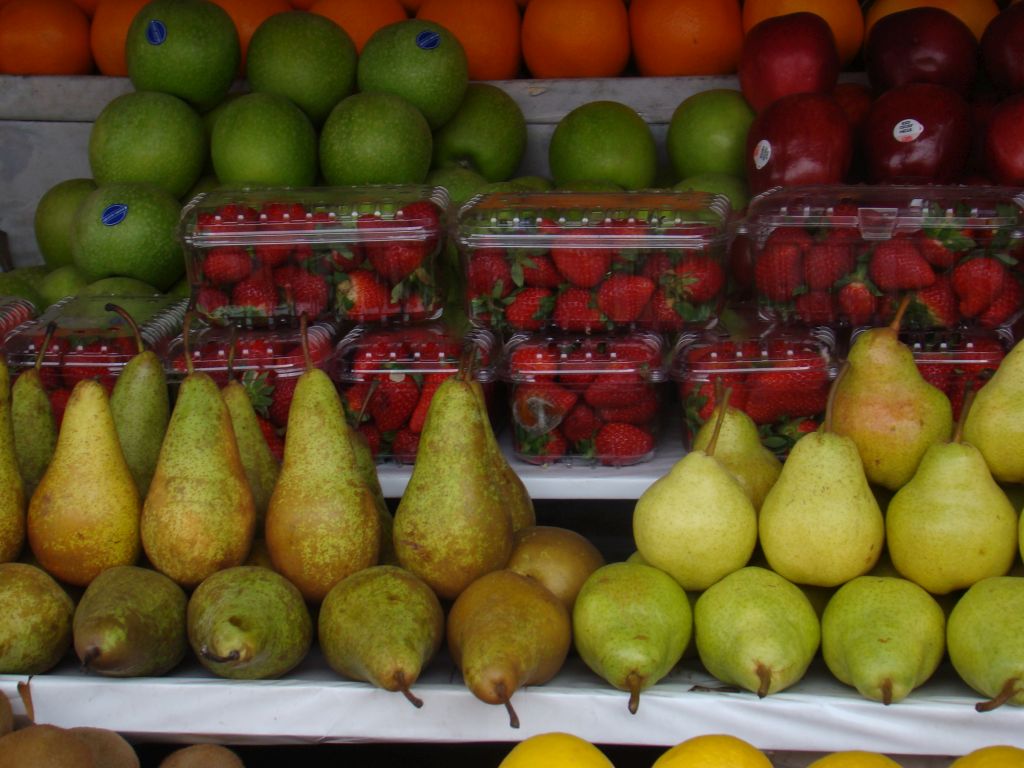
(47,336)
(723,405)
(826,424)
(900,311)
(1007,692)
(958,433)
(403,686)
(111,307)
(633,681)
(186,328)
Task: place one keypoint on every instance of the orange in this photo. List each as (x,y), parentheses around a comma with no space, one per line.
(89,6)
(575,38)
(302,5)
(843,16)
(108,32)
(685,37)
(249,14)
(412,5)
(44,37)
(976,14)
(360,18)
(488,31)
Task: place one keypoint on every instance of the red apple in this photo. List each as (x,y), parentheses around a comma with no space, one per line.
(803,138)
(917,133)
(1004,141)
(1002,49)
(921,45)
(793,53)
(855,99)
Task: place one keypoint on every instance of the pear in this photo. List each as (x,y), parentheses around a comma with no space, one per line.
(696,522)
(35,430)
(109,748)
(884,405)
(952,525)
(885,636)
(6,716)
(35,620)
(141,408)
(368,469)
(452,525)
(12,490)
(45,746)
(560,559)
(382,625)
(985,640)
(84,514)
(505,631)
(995,425)
(756,630)
(631,624)
(739,448)
(323,522)
(130,622)
(261,468)
(199,516)
(820,524)
(248,623)
(202,756)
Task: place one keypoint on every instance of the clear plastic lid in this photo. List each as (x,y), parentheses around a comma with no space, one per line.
(14,311)
(958,348)
(575,357)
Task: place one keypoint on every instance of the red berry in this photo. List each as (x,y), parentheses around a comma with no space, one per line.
(897,265)
(226,265)
(363,296)
(393,402)
(623,298)
(978,282)
(256,292)
(779,270)
(618,444)
(529,309)
(574,311)
(281,399)
(583,267)
(489,274)
(825,263)
(857,303)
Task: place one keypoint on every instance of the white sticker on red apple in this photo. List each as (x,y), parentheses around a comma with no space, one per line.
(762,153)
(907,130)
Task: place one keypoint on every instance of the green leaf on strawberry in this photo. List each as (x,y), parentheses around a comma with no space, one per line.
(260,390)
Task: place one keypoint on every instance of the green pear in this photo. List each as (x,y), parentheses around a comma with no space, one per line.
(12,490)
(368,469)
(141,408)
(884,405)
(631,624)
(130,622)
(740,449)
(323,522)
(885,636)
(505,631)
(35,620)
(756,630)
(452,525)
(995,425)
(199,516)
(248,623)
(696,523)
(952,525)
(35,430)
(84,514)
(820,524)
(512,488)
(985,640)
(382,625)
(261,468)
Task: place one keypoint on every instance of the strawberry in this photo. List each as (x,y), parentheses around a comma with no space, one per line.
(662,313)
(574,311)
(539,272)
(373,437)
(1006,305)
(355,399)
(404,445)
(943,249)
(431,382)
(259,389)
(622,298)
(540,449)
(209,300)
(226,265)
(274,441)
(617,444)
(697,278)
(396,260)
(541,406)
(857,302)
(656,265)
(94,360)
(779,270)
(934,306)
(816,307)
(280,217)
(615,390)
(536,362)
(256,292)
(394,401)
(978,282)
(770,404)
(529,308)
(643,411)
(306,292)
(580,424)
(583,267)
(58,403)
(281,399)
(897,265)
(362,296)
(228,218)
(934,368)
(825,263)
(489,274)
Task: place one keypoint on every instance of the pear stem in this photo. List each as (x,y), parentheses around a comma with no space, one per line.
(206,653)
(826,424)
(25,694)
(467,363)
(633,681)
(403,686)
(764,674)
(958,433)
(126,315)
(723,405)
(887,691)
(186,327)
(900,311)
(90,656)
(1008,691)
(231,352)
(513,718)
(304,338)
(47,336)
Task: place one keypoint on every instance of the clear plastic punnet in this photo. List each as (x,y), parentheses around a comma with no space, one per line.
(264,257)
(593,262)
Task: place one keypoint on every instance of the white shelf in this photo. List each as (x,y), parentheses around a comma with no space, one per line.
(313,705)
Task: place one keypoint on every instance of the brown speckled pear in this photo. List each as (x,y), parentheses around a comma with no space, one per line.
(35,620)
(84,514)
(199,516)
(35,430)
(452,525)
(322,522)
(512,488)
(12,491)
(45,746)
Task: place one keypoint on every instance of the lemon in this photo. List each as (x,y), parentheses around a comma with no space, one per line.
(713,751)
(999,756)
(854,759)
(555,750)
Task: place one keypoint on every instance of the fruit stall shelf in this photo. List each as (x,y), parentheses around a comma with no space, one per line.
(313,705)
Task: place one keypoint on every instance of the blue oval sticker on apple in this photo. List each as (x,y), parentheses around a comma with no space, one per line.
(114,214)
(428,39)
(156,32)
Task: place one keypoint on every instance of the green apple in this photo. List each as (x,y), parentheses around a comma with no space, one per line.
(461,182)
(708,133)
(487,133)
(733,187)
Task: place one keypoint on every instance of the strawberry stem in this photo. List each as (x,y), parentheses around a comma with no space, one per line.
(900,311)
(826,424)
(186,327)
(722,406)
(126,316)
(47,336)
(958,433)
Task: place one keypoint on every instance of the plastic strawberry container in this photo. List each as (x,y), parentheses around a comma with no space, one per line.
(584,399)
(388,376)
(13,312)
(593,262)
(89,342)
(263,257)
(779,375)
(848,254)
